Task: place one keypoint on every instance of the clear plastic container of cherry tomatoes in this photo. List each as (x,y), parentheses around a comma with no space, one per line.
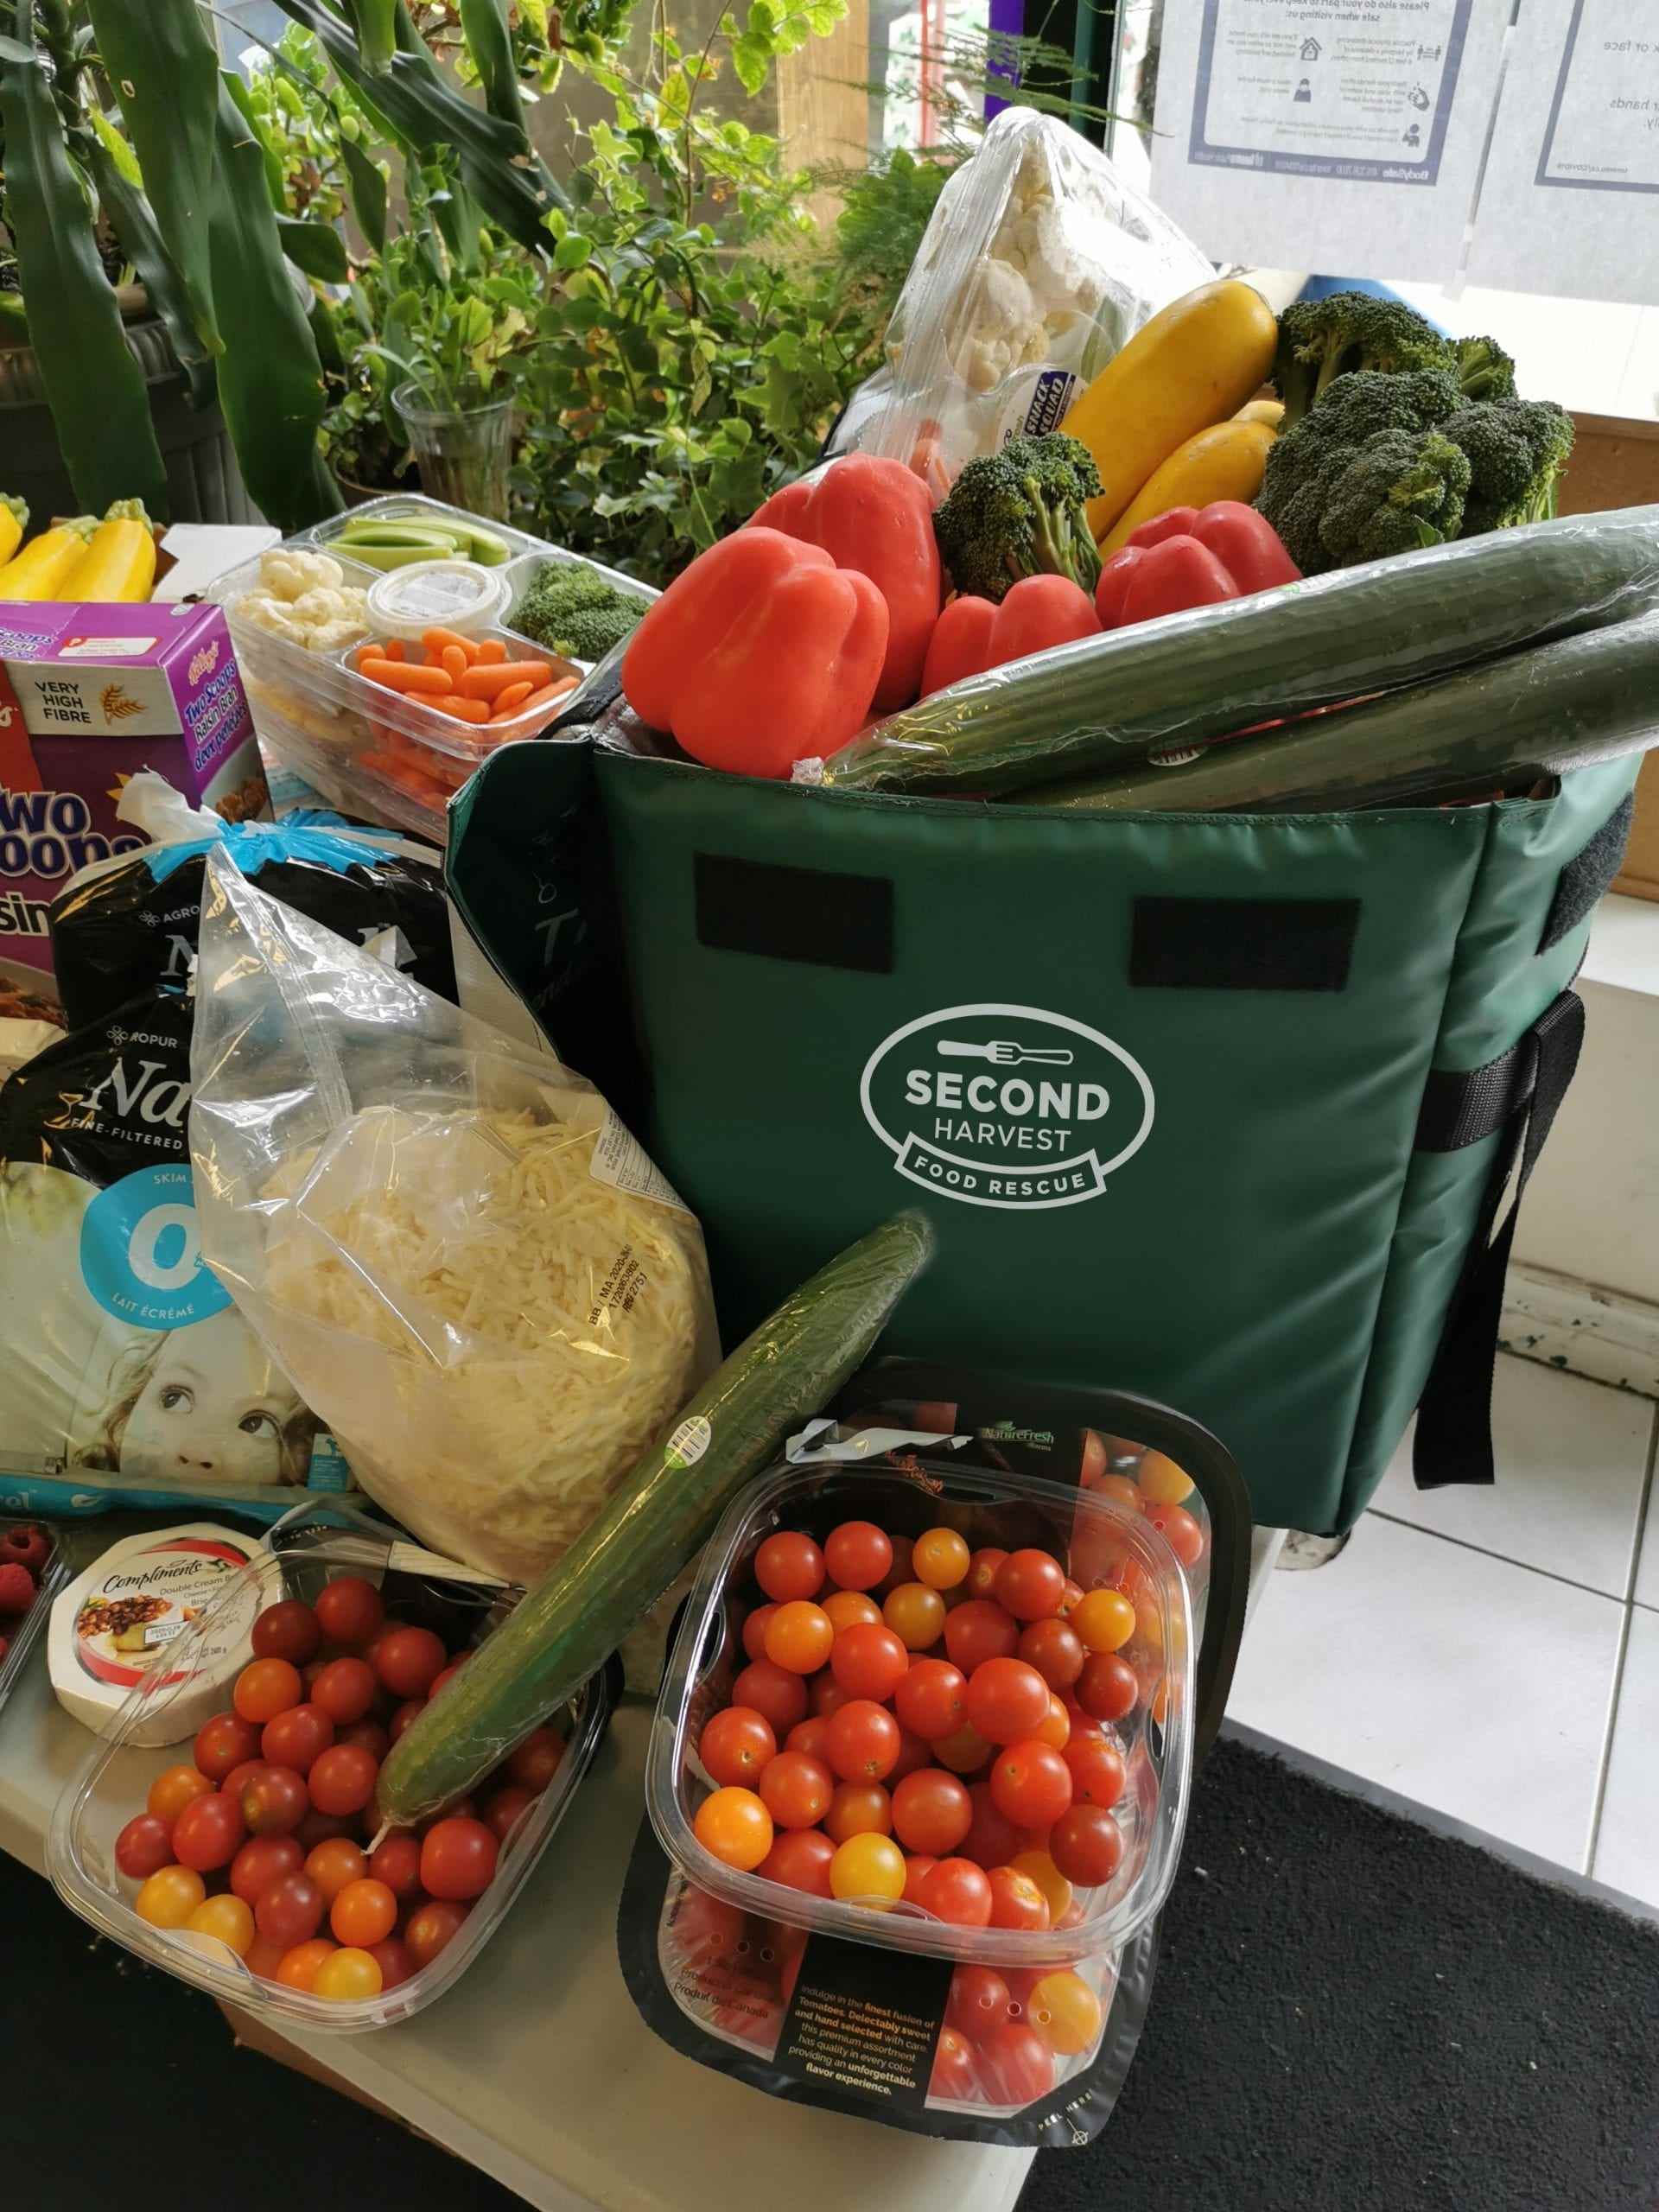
(304,1552)
(1098,1542)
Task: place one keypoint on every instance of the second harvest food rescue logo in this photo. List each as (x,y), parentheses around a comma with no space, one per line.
(1005,1105)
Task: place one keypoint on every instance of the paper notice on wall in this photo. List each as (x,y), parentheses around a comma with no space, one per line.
(1339,137)
(1570,204)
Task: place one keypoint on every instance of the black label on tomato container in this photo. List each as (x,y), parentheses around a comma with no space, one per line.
(866,2020)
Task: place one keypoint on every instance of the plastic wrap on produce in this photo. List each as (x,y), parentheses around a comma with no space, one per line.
(1038,264)
(484,1277)
(1111,703)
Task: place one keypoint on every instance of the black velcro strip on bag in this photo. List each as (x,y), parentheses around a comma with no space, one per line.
(1242,945)
(1459,1110)
(1582,882)
(794,914)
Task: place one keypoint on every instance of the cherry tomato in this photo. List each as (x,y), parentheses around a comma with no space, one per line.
(868,1869)
(397,1862)
(733,1824)
(227,1920)
(1072,1600)
(405,1717)
(349,1610)
(978,2001)
(859,1808)
(915,1613)
(342,1781)
(800,1860)
(296,1737)
(736,1745)
(266,1687)
(239,1776)
(965,1750)
(1163,1482)
(797,1790)
(1008,1700)
(1121,1491)
(533,1764)
(299,1964)
(980,1631)
(209,1832)
(291,1910)
(1049,1880)
(788,1565)
(958,1891)
(1107,1688)
(799,1636)
(1016,1901)
(222,1742)
(862,1741)
(143,1847)
(1066,2014)
(335,1865)
(952,2078)
(1016,2067)
(432,1927)
(169,1897)
(346,1690)
(363,1913)
(1179,1531)
(980,1580)
(261,1861)
(505,1809)
(869,1661)
(1103,1622)
(772,1691)
(1056,1729)
(827,1696)
(1086,1844)
(1030,1583)
(367,1736)
(1098,1773)
(408,1660)
(709,1933)
(940,1557)
(992,1840)
(288,1630)
(458,1858)
(848,1608)
(173,1790)
(395,1960)
(930,1698)
(932,1812)
(263,1957)
(754,1630)
(811,1737)
(913,1755)
(857,1554)
(444,1675)
(1031,1783)
(1055,1649)
(919,1865)
(347,1974)
(899,1572)
(323,1828)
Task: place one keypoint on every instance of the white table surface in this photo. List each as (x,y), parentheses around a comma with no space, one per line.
(536,2066)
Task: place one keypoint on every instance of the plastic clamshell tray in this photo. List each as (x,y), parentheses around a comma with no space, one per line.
(111,1786)
(24,1630)
(1093,1538)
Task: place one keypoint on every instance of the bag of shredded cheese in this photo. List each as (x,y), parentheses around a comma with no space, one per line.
(470,1270)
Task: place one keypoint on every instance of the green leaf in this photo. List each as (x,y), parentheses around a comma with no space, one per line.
(316,248)
(120,153)
(752,58)
(572,251)
(367,187)
(134,223)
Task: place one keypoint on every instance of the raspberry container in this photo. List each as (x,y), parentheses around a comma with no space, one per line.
(1096,1540)
(23,1630)
(302,1552)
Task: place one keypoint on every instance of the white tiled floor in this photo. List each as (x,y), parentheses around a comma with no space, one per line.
(1493,1654)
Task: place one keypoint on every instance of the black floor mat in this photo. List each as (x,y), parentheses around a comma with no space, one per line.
(1353,2014)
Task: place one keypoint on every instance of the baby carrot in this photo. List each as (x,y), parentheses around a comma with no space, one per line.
(509,702)
(455,662)
(395,650)
(437,642)
(464,710)
(491,650)
(489,683)
(547,696)
(405,676)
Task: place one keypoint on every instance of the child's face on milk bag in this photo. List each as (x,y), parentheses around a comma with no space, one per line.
(212,1407)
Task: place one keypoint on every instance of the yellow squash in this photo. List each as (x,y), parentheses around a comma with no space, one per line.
(1195,362)
(1270,411)
(120,563)
(14,519)
(1223,462)
(42,568)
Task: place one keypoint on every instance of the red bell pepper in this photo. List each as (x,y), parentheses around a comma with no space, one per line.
(974,634)
(1192,556)
(875,516)
(761,653)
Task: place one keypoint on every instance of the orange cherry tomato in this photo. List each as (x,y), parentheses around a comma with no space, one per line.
(734,1826)
(799,1636)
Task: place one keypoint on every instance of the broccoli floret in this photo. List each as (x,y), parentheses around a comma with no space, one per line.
(1401,490)
(1305,462)
(1346,333)
(571,608)
(1517,450)
(1483,369)
(1021,512)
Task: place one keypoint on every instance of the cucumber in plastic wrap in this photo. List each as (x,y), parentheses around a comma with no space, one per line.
(1533,713)
(660,1515)
(1100,706)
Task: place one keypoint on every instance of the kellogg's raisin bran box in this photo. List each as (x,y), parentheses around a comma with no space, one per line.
(89,694)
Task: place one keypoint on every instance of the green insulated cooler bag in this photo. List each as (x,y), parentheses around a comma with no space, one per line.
(1216,1108)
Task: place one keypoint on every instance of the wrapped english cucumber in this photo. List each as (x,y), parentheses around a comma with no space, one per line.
(1101,707)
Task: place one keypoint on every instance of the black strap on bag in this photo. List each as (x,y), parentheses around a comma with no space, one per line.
(1520,1090)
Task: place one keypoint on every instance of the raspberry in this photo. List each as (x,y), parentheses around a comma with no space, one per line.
(22,1545)
(16,1590)
(5,1646)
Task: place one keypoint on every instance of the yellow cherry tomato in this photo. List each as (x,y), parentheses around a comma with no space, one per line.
(734,1825)
(1057,1728)
(869,1869)
(915,1613)
(940,1559)
(169,1897)
(1066,2012)
(1049,1880)
(1161,1482)
(228,1919)
(1105,1620)
(347,1973)
(851,1609)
